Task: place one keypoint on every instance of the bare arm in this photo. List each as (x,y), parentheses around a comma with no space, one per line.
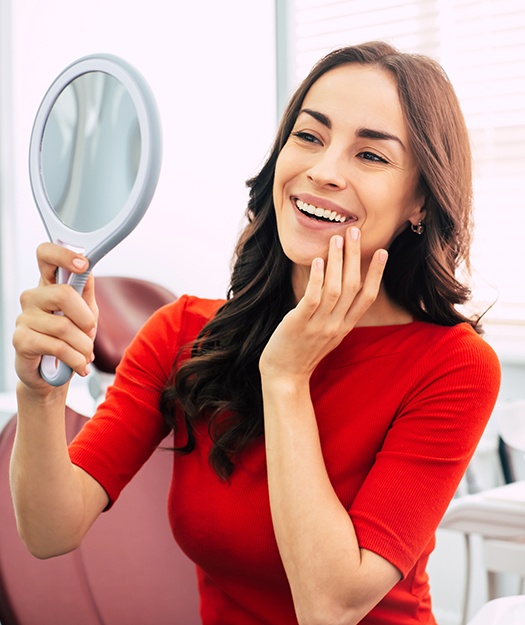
(332,579)
(55,502)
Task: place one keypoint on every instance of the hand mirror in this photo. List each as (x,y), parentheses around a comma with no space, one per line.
(94,163)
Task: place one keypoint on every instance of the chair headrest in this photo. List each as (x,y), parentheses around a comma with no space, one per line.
(125,304)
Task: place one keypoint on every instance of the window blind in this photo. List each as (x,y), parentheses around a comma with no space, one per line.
(481,45)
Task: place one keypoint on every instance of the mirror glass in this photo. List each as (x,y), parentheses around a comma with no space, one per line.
(90,151)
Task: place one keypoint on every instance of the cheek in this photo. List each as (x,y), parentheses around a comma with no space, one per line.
(388,208)
(390,201)
(278,180)
(284,173)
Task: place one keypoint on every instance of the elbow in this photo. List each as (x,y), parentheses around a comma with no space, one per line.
(329,614)
(43,553)
(46,552)
(44,549)
(327,619)
(46,540)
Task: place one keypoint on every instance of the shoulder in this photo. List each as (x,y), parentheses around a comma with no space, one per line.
(425,355)
(459,345)
(190,305)
(171,328)
(187,313)
(456,362)
(417,344)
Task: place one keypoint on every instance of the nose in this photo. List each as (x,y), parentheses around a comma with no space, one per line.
(329,170)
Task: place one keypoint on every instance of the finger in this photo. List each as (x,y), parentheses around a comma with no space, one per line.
(60,327)
(56,337)
(54,327)
(88,295)
(370,288)
(332,286)
(351,277)
(51,256)
(60,298)
(311,299)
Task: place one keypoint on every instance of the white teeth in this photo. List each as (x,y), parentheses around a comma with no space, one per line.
(320,212)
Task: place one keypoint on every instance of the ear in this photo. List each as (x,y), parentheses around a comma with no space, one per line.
(419,213)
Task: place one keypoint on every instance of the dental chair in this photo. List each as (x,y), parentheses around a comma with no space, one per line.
(128,569)
(494,520)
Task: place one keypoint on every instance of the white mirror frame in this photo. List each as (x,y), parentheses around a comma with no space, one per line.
(96,244)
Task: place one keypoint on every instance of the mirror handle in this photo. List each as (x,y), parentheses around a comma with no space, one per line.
(52,370)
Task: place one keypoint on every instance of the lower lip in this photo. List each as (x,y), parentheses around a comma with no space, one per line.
(317,224)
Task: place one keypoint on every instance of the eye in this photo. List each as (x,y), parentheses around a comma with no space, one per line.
(370,156)
(307,137)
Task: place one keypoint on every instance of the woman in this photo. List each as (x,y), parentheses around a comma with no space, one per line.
(326,412)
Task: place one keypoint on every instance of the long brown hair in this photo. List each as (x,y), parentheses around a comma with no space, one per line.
(220,382)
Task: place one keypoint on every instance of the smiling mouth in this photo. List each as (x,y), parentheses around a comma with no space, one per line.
(320,214)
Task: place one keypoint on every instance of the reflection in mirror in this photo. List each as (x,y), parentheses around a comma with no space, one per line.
(90,151)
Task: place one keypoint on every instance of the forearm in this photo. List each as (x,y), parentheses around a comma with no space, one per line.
(47,489)
(329,574)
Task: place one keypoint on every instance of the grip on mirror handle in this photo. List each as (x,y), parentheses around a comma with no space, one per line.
(52,370)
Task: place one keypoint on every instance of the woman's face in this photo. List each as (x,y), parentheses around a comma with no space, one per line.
(347,162)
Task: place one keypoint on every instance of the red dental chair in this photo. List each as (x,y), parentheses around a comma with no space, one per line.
(128,570)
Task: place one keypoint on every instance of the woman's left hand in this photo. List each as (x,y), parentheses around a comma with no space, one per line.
(333,303)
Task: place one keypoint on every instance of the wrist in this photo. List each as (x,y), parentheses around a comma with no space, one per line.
(289,387)
(43,396)
(285,381)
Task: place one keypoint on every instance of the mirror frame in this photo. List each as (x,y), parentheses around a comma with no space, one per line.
(97,243)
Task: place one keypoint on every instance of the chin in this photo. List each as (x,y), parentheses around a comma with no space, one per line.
(302,257)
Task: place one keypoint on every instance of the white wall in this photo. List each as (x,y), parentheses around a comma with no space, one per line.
(211,66)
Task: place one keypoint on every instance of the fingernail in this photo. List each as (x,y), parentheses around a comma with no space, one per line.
(383,256)
(338,242)
(354,233)
(79,263)
(319,263)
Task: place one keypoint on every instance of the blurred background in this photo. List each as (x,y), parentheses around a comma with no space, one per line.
(221,73)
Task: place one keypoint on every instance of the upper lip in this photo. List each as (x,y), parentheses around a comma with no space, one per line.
(325,204)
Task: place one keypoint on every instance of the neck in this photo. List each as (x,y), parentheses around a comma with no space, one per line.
(384,312)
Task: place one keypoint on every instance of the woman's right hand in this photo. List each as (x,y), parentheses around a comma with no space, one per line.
(68,337)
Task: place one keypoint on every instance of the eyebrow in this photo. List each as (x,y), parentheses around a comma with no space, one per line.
(368,133)
(320,117)
(363,133)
